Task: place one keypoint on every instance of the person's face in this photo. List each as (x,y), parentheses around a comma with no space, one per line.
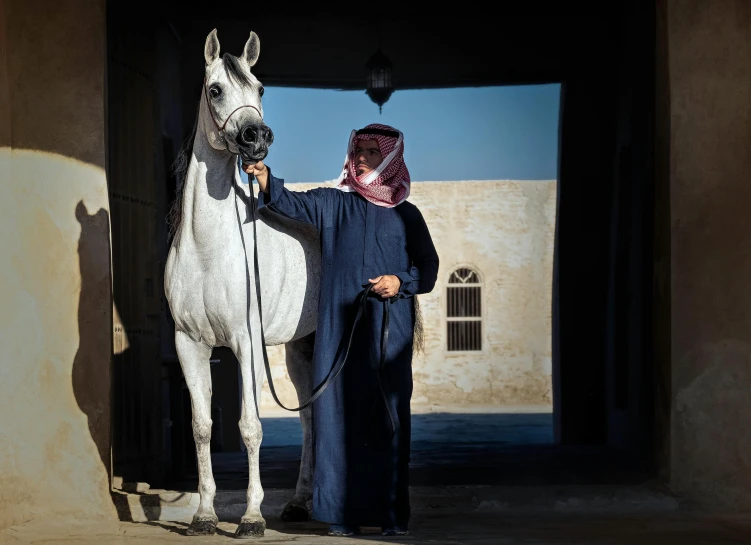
(367,156)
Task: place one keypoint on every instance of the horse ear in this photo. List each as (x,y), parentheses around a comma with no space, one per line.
(81,212)
(252,49)
(211,49)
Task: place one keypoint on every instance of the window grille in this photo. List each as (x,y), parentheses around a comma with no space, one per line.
(464,311)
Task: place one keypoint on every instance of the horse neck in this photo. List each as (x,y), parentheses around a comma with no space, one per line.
(208,208)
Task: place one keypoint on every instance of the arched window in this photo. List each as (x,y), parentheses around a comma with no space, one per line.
(464,311)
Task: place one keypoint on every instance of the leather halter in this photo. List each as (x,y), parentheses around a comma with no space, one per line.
(221,127)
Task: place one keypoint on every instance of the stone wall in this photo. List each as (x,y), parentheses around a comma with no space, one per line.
(505,231)
(709,47)
(55,285)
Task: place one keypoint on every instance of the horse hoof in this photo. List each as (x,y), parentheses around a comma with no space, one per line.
(250,529)
(202,527)
(294,513)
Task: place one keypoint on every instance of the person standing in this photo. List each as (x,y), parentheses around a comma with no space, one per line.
(370,235)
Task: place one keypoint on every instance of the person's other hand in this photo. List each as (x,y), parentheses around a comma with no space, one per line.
(386,285)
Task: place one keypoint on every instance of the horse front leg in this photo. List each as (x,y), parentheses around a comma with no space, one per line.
(299,358)
(252,523)
(195,362)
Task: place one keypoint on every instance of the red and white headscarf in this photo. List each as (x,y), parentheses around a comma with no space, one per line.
(388,184)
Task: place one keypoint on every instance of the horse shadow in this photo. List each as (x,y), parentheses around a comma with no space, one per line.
(91,373)
(94,363)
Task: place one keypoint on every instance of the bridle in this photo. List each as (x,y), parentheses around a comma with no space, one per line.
(221,127)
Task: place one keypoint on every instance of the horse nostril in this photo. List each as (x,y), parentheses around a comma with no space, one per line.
(248,135)
(268,135)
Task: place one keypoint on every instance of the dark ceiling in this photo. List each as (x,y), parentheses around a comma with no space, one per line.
(326,48)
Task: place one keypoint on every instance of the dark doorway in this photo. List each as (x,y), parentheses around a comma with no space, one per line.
(603,385)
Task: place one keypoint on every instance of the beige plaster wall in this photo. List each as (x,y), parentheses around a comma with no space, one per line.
(709,47)
(505,231)
(55,294)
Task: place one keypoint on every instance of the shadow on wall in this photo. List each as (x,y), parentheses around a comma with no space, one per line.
(91,365)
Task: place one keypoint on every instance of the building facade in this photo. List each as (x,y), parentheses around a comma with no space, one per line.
(487,322)
(690,90)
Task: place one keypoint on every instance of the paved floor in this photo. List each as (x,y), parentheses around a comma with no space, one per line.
(474,529)
(508,425)
(479,478)
(450,446)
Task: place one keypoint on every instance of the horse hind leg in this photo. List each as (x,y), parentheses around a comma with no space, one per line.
(195,362)
(299,356)
(252,523)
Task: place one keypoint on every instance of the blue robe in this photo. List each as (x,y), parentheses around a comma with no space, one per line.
(360,470)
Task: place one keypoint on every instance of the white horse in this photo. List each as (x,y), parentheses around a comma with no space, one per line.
(206,277)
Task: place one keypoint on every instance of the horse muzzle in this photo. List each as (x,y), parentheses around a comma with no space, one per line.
(253,141)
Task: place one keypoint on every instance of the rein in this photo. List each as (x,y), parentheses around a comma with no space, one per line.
(337,366)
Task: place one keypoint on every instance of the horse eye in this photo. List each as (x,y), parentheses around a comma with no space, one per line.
(215,91)
(260,91)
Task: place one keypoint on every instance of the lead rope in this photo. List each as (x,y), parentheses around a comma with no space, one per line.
(337,367)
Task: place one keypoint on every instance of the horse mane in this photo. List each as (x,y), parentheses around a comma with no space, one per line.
(179,171)
(180,166)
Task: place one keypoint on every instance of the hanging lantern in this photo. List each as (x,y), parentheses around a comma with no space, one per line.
(379,86)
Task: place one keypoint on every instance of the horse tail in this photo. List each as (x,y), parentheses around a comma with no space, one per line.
(418,344)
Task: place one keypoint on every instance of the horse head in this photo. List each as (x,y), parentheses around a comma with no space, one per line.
(233,99)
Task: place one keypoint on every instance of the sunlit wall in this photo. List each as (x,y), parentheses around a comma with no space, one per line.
(55,294)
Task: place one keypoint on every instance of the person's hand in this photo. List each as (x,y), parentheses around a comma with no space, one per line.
(259,172)
(386,285)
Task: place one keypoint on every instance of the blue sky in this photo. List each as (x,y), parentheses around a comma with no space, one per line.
(476,133)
